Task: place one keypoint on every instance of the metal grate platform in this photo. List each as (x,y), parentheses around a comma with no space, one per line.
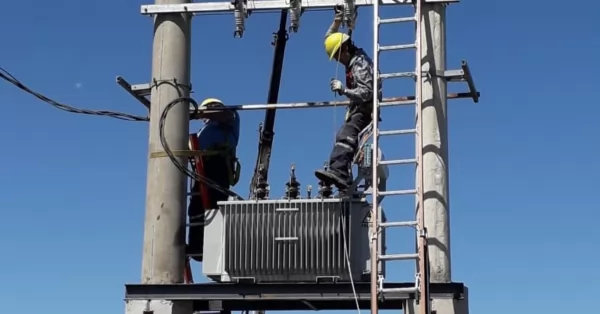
(282,297)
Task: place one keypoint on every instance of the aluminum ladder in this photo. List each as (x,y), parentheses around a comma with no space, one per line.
(421,287)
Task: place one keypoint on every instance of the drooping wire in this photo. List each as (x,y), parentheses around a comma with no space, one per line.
(7,76)
(348,263)
(183,168)
(346,253)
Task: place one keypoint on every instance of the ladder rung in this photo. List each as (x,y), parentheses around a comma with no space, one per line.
(397,20)
(397,103)
(398,161)
(386,76)
(398,224)
(399,290)
(397,47)
(397,132)
(397,192)
(398,257)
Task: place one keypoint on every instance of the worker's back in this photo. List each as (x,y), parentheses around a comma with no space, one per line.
(215,134)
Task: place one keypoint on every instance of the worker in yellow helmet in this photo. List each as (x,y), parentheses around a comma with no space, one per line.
(359,90)
(217,142)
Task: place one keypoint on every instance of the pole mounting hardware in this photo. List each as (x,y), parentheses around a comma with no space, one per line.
(240,13)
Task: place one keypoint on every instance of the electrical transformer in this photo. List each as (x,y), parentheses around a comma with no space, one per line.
(289,240)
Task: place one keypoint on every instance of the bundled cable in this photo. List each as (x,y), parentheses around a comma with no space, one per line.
(5,75)
(183,167)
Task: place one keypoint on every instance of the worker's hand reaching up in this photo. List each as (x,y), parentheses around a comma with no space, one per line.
(339,13)
(337,86)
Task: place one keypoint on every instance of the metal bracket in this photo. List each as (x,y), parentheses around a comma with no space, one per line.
(138,91)
(462,75)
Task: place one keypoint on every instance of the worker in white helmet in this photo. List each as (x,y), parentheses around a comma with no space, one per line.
(359,90)
(217,143)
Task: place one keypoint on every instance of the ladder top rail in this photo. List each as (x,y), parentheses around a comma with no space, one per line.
(263,5)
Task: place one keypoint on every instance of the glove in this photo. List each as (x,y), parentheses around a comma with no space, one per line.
(339,13)
(337,86)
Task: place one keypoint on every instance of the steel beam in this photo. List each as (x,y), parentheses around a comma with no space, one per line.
(462,75)
(298,296)
(263,5)
(138,92)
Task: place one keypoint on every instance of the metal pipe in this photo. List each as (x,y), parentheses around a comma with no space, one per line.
(386,102)
(375,168)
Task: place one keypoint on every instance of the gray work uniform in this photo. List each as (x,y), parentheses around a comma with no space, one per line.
(359,89)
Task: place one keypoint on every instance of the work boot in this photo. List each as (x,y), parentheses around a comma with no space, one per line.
(330,177)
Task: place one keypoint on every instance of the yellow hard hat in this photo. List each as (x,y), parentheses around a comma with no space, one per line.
(333,43)
(211,102)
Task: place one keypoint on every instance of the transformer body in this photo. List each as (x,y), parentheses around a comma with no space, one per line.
(298,240)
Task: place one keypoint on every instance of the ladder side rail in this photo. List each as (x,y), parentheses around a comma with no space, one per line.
(375,171)
(422,280)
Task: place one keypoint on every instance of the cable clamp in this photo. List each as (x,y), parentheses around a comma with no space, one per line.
(172,82)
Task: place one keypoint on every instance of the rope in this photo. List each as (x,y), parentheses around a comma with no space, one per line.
(347,258)
(346,254)
(335,77)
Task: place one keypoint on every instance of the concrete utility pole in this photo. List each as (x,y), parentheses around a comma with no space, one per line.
(435,141)
(435,155)
(163,259)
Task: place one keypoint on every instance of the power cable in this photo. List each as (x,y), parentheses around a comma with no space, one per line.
(183,168)
(7,76)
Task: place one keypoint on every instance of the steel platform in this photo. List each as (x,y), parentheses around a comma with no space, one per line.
(283,297)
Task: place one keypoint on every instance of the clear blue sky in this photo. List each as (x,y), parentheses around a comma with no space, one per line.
(522,161)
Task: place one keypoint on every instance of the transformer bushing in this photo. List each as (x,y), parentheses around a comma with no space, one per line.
(325,191)
(262,186)
(292,187)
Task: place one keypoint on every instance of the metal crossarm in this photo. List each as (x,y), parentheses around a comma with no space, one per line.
(265,5)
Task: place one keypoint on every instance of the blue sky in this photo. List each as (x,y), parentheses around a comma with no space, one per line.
(523,220)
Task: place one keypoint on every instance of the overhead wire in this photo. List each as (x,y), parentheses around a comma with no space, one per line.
(7,76)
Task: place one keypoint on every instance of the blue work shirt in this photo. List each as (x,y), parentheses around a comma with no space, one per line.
(217,133)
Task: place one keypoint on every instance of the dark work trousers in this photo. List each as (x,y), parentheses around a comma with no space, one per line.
(215,169)
(346,143)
